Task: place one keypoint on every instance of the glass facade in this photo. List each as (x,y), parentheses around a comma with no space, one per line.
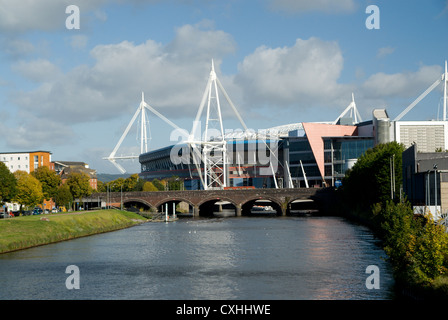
(350,148)
(341,153)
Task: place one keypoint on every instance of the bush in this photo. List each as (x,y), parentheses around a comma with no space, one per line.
(417,247)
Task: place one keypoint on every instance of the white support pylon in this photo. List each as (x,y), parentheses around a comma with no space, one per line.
(445,91)
(444,78)
(353,112)
(212,144)
(214,155)
(144,137)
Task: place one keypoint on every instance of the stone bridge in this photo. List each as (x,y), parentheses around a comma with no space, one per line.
(202,202)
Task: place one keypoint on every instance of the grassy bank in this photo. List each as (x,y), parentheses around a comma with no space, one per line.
(29,231)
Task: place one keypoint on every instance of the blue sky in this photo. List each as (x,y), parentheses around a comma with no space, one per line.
(73,92)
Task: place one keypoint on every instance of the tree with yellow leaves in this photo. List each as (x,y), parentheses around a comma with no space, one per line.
(28,191)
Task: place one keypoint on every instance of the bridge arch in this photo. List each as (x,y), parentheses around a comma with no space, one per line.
(247,207)
(218,206)
(138,204)
(301,206)
(161,206)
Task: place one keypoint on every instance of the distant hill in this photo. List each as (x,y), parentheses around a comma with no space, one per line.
(107,177)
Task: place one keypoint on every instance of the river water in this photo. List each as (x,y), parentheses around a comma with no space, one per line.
(277,258)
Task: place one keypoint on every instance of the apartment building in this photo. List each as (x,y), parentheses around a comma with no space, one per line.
(26,161)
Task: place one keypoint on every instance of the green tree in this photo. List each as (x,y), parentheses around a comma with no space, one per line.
(148,186)
(174,183)
(131,182)
(369,181)
(429,250)
(396,225)
(29,190)
(79,184)
(50,181)
(159,185)
(7,185)
(101,186)
(116,185)
(63,196)
(139,185)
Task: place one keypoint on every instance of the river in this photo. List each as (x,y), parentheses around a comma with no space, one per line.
(277,258)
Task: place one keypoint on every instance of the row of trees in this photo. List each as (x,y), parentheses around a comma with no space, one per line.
(30,189)
(417,246)
(134,183)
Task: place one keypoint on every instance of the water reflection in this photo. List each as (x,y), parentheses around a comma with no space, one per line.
(216,258)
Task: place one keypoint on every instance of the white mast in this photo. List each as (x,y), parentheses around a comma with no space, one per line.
(444,91)
(213,143)
(143,133)
(353,112)
(443,78)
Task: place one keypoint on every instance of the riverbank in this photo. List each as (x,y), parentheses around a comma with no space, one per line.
(407,262)
(29,231)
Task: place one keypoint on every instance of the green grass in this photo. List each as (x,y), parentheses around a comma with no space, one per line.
(29,231)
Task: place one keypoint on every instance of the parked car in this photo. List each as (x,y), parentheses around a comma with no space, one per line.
(37,211)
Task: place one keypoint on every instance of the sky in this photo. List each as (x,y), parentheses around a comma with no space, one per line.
(72,89)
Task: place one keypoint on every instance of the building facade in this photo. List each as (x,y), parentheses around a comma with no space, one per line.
(425,181)
(310,155)
(26,161)
(64,168)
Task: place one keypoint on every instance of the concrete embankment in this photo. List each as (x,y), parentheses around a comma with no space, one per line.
(30,231)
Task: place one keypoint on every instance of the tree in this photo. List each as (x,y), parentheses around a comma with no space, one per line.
(29,190)
(116,185)
(131,182)
(7,185)
(174,183)
(158,185)
(148,186)
(63,196)
(369,181)
(79,184)
(101,187)
(50,181)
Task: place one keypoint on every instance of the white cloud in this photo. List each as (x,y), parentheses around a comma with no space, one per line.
(305,74)
(400,85)
(37,133)
(39,70)
(326,6)
(78,41)
(385,51)
(16,48)
(172,76)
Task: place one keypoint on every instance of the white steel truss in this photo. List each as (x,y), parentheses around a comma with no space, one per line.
(444,78)
(144,136)
(213,144)
(354,113)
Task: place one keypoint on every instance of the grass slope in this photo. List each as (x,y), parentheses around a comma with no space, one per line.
(29,231)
